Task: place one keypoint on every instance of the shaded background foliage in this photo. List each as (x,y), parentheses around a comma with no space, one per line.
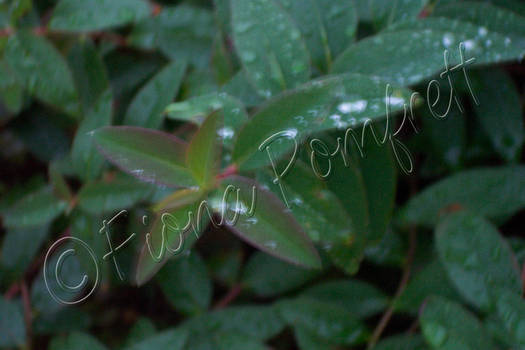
(432,259)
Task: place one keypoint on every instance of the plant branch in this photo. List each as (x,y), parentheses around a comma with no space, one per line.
(232,294)
(28,314)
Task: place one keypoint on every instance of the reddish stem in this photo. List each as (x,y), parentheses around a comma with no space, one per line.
(12,291)
(232,294)
(229,171)
(28,315)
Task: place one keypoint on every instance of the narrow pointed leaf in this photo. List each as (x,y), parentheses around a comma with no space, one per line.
(269,45)
(151,156)
(146,108)
(271,228)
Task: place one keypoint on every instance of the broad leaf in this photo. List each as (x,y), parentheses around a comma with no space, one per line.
(402,342)
(476,258)
(146,108)
(411,52)
(269,45)
(149,155)
(173,339)
(12,325)
(203,155)
(42,71)
(262,220)
(504,186)
(76,341)
(510,308)
(500,113)
(91,15)
(336,102)
(327,26)
(186,284)
(446,326)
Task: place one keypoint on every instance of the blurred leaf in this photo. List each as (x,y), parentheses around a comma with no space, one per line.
(186,284)
(385,12)
(146,108)
(477,258)
(42,71)
(12,324)
(141,329)
(58,183)
(76,340)
(336,102)
(173,339)
(204,150)
(11,91)
(89,73)
(511,311)
(500,112)
(326,320)
(182,32)
(266,276)
(36,209)
(357,297)
(91,15)
(107,197)
(327,26)
(239,87)
(262,220)
(67,320)
(149,155)
(232,341)
(402,342)
(269,45)
(423,43)
(470,189)
(85,158)
(308,340)
(446,325)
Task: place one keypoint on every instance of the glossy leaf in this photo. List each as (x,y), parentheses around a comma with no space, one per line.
(266,276)
(85,158)
(476,258)
(327,26)
(186,284)
(384,12)
(470,190)
(411,52)
(269,46)
(146,108)
(500,113)
(203,156)
(328,321)
(42,71)
(357,297)
(36,209)
(149,155)
(446,325)
(336,102)
(263,222)
(91,15)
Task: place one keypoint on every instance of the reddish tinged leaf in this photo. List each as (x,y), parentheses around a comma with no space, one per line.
(149,155)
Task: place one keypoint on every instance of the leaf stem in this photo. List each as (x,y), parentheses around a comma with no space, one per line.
(232,294)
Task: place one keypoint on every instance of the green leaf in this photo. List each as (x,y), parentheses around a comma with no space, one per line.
(182,32)
(431,280)
(146,108)
(358,298)
(67,320)
(178,231)
(423,43)
(326,320)
(269,45)
(327,26)
(186,284)
(149,155)
(85,158)
(477,258)
(204,150)
(493,18)
(76,340)
(329,103)
(308,340)
(89,74)
(173,339)
(266,276)
(141,329)
(12,325)
(262,220)
(91,15)
(511,311)
(401,342)
(232,341)
(42,71)
(446,325)
(385,12)
(107,197)
(240,87)
(505,186)
(11,91)
(196,109)
(36,209)
(498,97)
